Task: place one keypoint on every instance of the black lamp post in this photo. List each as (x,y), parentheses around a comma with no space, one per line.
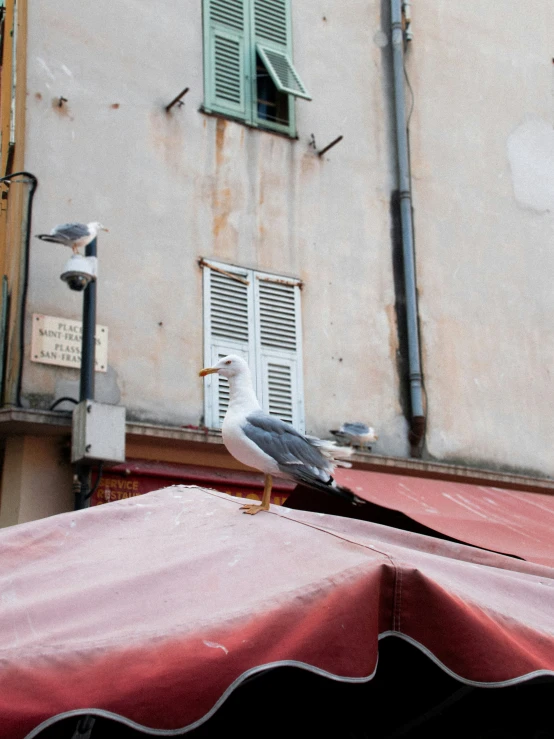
(82,478)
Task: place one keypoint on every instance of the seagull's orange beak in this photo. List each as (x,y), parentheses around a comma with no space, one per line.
(208,371)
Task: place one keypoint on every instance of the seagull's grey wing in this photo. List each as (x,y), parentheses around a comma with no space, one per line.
(355,428)
(297,458)
(289,448)
(70,232)
(341,437)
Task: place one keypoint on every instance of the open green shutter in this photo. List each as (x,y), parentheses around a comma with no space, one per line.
(225,50)
(273,37)
(282,72)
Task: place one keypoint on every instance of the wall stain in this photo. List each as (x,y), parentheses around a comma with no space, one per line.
(307,163)
(220,126)
(394,345)
(167,137)
(61,107)
(223,197)
(221,209)
(262,191)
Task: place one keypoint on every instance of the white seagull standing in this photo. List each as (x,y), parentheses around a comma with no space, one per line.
(271,445)
(74,235)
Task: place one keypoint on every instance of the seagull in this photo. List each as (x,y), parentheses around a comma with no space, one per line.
(272,446)
(356,434)
(74,235)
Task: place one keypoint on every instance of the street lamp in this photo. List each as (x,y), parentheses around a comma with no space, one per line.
(98,429)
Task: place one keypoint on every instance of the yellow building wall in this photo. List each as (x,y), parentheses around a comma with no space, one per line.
(36,479)
(13,197)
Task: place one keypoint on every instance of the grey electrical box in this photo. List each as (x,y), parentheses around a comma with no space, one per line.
(98,433)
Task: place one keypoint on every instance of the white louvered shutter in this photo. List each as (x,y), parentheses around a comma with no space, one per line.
(226,57)
(278,345)
(260,321)
(228,326)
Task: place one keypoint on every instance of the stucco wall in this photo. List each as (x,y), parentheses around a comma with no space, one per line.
(172,188)
(482,147)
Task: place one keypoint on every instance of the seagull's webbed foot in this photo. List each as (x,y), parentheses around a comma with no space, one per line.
(253,508)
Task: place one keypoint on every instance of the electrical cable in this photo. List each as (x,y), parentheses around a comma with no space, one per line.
(97,483)
(62,400)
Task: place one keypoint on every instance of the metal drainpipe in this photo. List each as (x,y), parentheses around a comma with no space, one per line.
(417,422)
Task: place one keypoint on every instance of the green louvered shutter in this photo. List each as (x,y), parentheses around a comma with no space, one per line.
(226,55)
(273,42)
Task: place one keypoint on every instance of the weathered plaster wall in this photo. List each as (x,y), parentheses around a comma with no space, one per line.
(482,144)
(172,188)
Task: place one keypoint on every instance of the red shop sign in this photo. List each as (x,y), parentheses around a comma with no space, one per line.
(138,477)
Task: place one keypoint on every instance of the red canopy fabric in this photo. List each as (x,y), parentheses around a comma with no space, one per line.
(154,608)
(507,521)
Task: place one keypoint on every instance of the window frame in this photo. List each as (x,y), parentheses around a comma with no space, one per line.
(248,43)
(258,353)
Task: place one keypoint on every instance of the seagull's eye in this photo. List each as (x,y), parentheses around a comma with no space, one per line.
(228,361)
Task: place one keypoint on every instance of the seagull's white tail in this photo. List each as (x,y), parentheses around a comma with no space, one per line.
(338,455)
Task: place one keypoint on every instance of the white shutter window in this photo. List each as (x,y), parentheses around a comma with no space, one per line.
(219,388)
(229,317)
(277,314)
(228,328)
(278,340)
(279,387)
(256,316)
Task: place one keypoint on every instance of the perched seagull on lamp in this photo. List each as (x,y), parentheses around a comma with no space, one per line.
(356,434)
(74,235)
(271,445)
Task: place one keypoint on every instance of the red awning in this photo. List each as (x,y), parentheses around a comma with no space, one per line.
(507,521)
(154,608)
